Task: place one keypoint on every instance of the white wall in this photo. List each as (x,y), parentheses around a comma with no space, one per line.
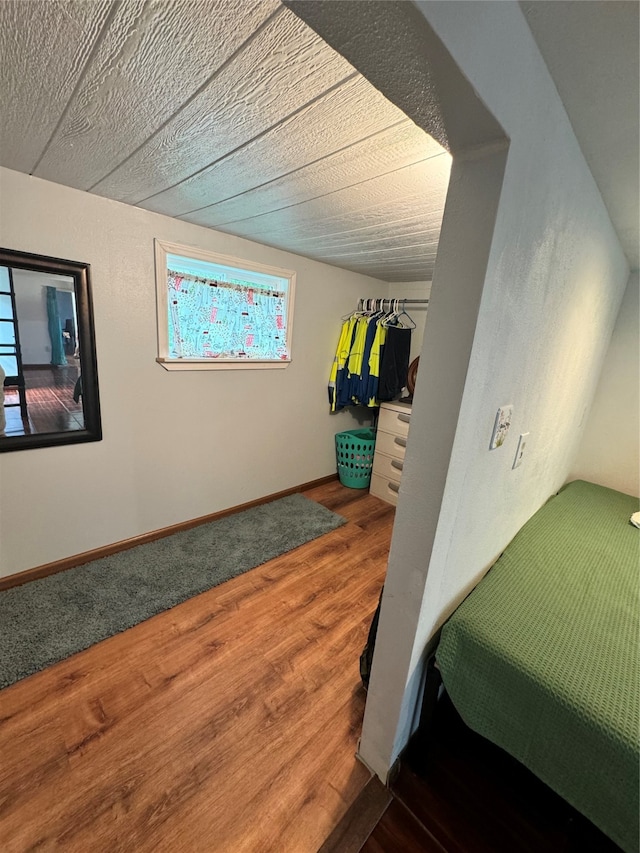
(609,451)
(176,445)
(551,286)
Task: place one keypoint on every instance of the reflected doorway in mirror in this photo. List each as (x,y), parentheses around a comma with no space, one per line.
(47,352)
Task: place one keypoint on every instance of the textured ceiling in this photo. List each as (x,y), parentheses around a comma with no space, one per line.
(231,114)
(234,114)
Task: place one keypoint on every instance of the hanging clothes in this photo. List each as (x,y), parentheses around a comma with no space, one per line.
(337,375)
(364,359)
(348,396)
(394,365)
(377,348)
(360,386)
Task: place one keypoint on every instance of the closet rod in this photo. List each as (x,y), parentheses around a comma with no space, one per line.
(392,299)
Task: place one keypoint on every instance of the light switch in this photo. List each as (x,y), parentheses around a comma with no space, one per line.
(522,443)
(501,426)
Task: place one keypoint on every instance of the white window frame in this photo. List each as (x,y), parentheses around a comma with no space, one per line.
(162,250)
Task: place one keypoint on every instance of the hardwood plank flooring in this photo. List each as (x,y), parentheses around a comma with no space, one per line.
(471,797)
(50,403)
(398,830)
(228,723)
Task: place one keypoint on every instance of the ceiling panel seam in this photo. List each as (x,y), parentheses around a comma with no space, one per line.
(79,82)
(322,195)
(430,244)
(430,237)
(276,13)
(410,250)
(342,233)
(430,247)
(284,174)
(250,141)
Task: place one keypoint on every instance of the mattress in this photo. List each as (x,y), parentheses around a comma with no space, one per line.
(542,657)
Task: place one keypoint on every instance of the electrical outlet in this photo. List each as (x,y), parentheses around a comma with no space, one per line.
(522,443)
(501,426)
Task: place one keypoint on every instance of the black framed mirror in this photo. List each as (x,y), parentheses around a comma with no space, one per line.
(48,366)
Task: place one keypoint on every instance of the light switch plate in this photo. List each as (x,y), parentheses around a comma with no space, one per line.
(522,443)
(501,426)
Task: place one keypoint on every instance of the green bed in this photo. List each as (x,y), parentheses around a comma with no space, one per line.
(542,657)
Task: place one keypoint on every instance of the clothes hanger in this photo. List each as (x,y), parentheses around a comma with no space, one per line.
(391,317)
(403,313)
(372,308)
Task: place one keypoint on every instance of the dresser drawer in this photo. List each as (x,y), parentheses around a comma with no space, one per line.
(392,445)
(386,490)
(387,467)
(393,421)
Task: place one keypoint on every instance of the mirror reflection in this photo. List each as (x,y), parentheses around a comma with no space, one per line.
(48,378)
(39,353)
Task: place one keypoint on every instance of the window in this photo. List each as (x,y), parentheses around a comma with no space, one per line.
(219,312)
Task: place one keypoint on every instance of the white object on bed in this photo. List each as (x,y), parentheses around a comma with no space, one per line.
(635,519)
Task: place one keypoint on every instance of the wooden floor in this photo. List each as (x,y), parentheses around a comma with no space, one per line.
(228,723)
(471,797)
(50,403)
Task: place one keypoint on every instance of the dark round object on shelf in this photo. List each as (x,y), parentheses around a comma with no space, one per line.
(413,372)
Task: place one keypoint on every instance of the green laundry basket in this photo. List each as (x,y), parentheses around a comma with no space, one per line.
(354,453)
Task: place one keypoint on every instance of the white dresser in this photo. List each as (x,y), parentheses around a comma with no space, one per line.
(391,441)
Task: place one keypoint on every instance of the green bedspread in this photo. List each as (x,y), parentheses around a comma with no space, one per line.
(542,657)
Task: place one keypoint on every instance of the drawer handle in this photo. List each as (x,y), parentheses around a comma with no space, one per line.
(395,487)
(401,441)
(396,463)
(404,418)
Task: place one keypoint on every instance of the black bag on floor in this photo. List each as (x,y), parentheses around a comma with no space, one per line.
(366,658)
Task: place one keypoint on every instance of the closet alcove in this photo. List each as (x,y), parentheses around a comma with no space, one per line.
(373,375)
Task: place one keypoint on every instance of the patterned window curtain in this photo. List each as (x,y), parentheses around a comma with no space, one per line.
(58,357)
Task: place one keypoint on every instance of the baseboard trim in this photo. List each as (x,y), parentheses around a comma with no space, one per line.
(107,550)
